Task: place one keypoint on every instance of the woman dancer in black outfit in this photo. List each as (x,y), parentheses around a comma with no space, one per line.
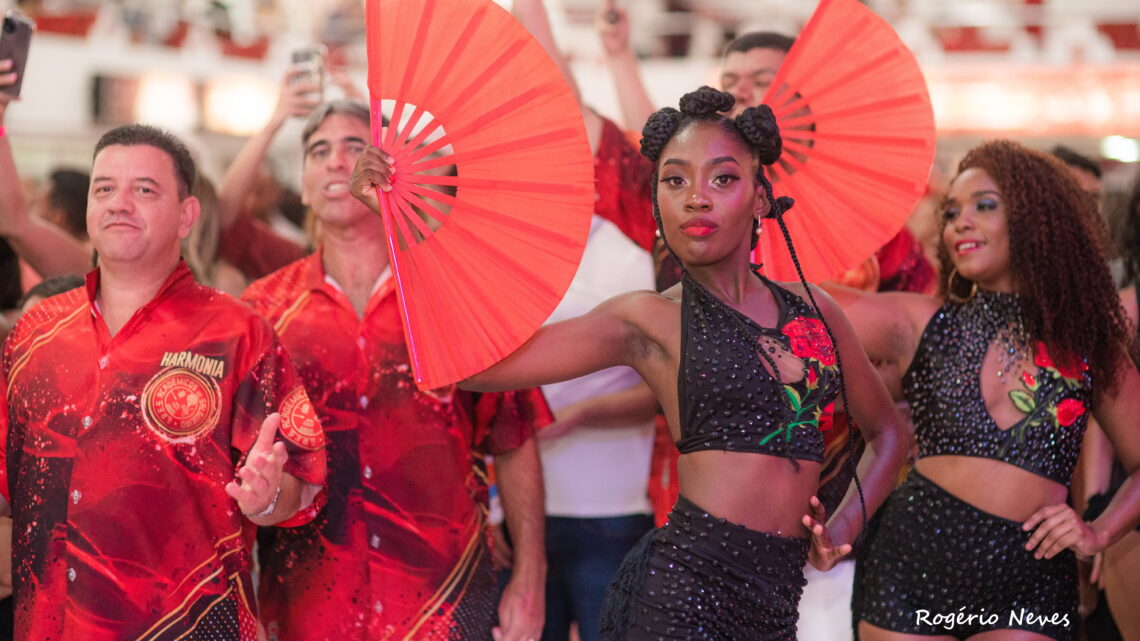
(742,367)
(1001,374)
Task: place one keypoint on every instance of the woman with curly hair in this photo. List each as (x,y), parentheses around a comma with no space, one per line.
(1001,372)
(742,366)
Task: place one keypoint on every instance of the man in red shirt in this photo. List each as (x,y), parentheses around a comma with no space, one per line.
(132,405)
(400,550)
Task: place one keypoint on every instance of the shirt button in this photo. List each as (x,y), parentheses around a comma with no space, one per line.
(367,472)
(71,574)
(103,362)
(375,540)
(378,607)
(364,402)
(360,342)
(86,421)
(75,496)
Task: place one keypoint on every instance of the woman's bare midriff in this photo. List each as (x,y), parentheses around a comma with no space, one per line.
(761,492)
(992,486)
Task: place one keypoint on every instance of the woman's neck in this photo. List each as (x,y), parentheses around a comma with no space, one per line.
(729,280)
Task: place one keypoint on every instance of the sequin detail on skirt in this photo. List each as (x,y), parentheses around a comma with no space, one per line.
(706,579)
(929,551)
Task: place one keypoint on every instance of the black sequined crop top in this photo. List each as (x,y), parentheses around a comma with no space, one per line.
(945,393)
(728,398)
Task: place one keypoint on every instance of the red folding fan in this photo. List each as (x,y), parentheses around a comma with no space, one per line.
(493,188)
(858,132)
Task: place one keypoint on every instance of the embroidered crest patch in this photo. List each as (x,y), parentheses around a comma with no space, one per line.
(299,422)
(178,403)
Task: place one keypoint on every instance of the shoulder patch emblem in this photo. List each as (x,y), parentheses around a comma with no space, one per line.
(299,423)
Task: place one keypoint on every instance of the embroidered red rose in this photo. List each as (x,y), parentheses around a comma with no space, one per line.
(1041,358)
(1029,379)
(812,377)
(800,346)
(1068,411)
(808,339)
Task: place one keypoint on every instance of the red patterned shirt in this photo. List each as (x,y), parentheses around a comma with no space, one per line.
(622,187)
(399,550)
(116,456)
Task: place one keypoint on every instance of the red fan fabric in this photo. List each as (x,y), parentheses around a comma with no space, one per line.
(858,130)
(493,189)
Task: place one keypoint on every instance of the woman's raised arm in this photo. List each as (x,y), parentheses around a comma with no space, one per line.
(611,334)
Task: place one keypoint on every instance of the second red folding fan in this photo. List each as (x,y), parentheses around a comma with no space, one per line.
(858,133)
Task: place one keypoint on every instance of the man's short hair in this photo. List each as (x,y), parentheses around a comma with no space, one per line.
(52,286)
(342,106)
(1076,160)
(134,135)
(760,40)
(67,192)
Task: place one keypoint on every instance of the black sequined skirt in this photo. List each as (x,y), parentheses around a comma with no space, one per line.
(933,564)
(699,577)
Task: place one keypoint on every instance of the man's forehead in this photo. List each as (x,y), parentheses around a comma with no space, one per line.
(337,126)
(754,60)
(146,157)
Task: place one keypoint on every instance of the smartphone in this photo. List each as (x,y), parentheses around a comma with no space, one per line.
(15,39)
(312,60)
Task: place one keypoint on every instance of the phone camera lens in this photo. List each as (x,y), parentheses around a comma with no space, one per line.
(9,26)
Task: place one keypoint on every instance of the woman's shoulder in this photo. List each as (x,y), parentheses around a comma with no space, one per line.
(651,314)
(888,324)
(841,295)
(919,308)
(642,304)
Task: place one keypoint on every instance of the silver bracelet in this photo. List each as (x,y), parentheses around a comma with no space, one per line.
(269,510)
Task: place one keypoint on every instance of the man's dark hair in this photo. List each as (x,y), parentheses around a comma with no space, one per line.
(67,192)
(760,40)
(52,286)
(134,135)
(1074,159)
(343,106)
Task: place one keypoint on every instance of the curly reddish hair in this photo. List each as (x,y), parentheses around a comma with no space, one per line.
(1057,256)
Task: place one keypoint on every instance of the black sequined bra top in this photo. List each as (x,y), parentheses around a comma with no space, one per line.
(730,400)
(944,390)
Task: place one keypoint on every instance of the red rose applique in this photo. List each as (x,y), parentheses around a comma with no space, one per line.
(1030,380)
(1041,358)
(1068,411)
(808,338)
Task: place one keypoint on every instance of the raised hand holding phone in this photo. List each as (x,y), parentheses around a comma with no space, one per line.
(15,40)
(309,63)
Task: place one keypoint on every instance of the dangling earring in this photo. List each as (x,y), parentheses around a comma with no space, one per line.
(950,289)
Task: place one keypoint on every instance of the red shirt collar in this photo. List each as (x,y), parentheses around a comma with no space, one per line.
(179,277)
(313,276)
